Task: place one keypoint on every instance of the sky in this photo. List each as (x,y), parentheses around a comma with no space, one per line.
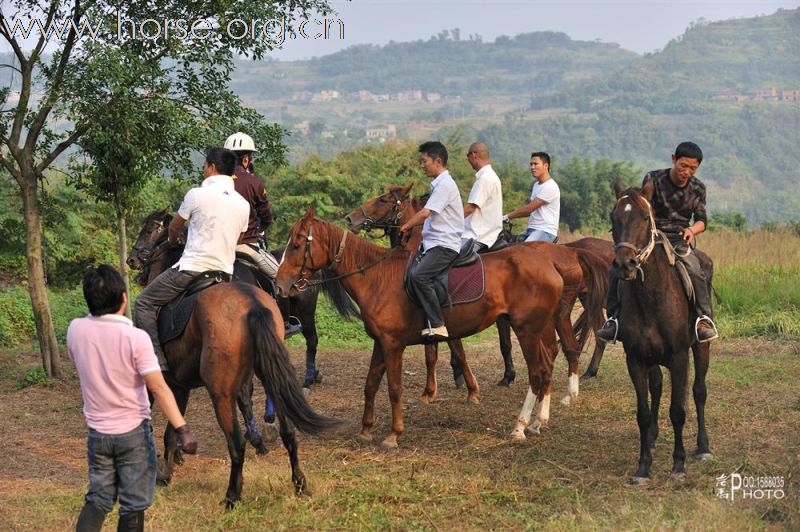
(641,26)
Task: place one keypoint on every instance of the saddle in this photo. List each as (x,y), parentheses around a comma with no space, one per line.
(173,317)
(675,257)
(464,282)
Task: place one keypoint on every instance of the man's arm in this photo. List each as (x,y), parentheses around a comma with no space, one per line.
(166,402)
(175,229)
(526,209)
(263,208)
(469,208)
(415,220)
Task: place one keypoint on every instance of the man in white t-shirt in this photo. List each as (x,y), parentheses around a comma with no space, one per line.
(544,207)
(217,217)
(483,212)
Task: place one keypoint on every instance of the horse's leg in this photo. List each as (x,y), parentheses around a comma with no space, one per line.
(393,360)
(290,443)
(504,335)
(571,351)
(307,310)
(431,356)
(377,365)
(225,409)
(639,376)
(597,356)
(524,418)
(172,456)
(473,390)
(655,383)
(540,370)
(679,377)
(701,353)
(458,367)
(252,432)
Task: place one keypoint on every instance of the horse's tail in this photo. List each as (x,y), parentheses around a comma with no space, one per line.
(595,277)
(333,289)
(272,359)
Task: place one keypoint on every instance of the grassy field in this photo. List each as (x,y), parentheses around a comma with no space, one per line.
(456,467)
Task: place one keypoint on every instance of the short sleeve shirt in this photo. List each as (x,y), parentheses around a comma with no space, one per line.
(217,215)
(545,218)
(112,357)
(485,222)
(446,223)
(676,207)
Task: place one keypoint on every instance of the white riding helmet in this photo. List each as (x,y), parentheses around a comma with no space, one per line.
(240,142)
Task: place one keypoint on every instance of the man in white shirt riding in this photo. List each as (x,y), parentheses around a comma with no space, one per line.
(544,208)
(483,212)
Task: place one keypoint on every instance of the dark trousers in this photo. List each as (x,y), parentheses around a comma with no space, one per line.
(428,266)
(702,295)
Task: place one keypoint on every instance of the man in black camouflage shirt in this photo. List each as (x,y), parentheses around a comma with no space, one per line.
(679,205)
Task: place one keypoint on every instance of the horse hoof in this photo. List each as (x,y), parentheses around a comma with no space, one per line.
(518,436)
(364,437)
(704,456)
(567,400)
(473,399)
(229,504)
(426,399)
(587,376)
(389,444)
(678,477)
(534,429)
(639,481)
(459,381)
(261,450)
(306,391)
(505,381)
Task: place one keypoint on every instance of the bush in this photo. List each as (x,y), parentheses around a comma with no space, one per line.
(16,317)
(33,377)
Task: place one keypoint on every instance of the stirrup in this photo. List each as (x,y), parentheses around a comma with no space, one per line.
(708,320)
(610,320)
(292,326)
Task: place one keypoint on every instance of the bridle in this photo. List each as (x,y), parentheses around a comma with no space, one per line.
(394,215)
(148,254)
(641,254)
(304,280)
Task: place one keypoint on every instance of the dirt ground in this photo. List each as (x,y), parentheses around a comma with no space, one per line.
(42,434)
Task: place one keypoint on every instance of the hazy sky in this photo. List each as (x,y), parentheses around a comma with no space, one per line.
(640,25)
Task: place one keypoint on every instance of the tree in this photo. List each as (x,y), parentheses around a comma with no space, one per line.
(108,54)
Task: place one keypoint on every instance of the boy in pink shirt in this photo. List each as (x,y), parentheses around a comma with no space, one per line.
(116,366)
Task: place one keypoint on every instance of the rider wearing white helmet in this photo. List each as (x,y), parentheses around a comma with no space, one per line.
(252,189)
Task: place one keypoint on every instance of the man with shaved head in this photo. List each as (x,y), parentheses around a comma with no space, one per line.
(483,212)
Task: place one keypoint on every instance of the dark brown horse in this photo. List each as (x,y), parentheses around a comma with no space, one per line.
(373,277)
(234,329)
(654,327)
(387,211)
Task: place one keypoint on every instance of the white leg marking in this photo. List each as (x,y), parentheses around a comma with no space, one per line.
(542,415)
(573,387)
(524,416)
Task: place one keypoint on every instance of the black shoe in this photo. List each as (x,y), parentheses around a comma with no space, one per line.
(291,327)
(705,330)
(91,518)
(608,332)
(131,522)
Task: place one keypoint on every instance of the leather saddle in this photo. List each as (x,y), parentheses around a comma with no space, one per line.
(173,317)
(463,282)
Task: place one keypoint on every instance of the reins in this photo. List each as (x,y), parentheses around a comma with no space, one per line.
(641,254)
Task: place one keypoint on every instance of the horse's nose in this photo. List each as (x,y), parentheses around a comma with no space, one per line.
(348,221)
(131,262)
(625,263)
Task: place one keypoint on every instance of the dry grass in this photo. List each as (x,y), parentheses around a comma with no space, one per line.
(456,468)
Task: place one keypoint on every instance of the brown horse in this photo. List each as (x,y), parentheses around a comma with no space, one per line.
(373,277)
(386,212)
(234,329)
(654,327)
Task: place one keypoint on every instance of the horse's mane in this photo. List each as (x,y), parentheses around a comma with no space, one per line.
(420,201)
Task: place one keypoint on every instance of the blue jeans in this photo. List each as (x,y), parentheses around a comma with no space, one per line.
(122,466)
(536,235)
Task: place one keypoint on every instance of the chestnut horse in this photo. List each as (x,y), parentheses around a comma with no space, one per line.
(654,326)
(373,277)
(386,212)
(234,329)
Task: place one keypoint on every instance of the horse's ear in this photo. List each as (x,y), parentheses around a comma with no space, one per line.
(166,210)
(647,190)
(619,187)
(310,212)
(406,189)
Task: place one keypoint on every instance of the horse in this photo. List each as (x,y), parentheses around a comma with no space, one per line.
(234,329)
(393,321)
(303,306)
(386,211)
(654,327)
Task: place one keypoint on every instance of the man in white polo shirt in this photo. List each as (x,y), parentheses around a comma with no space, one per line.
(443,223)
(483,212)
(217,217)
(544,207)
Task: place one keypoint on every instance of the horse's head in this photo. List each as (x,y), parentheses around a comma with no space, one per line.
(308,249)
(382,212)
(154,232)
(633,228)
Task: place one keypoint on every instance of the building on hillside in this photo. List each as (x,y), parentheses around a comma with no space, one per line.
(380,134)
(770,94)
(790,95)
(432,97)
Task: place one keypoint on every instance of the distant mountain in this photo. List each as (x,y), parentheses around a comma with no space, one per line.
(532,62)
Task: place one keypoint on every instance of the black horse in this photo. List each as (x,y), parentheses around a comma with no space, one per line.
(654,326)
